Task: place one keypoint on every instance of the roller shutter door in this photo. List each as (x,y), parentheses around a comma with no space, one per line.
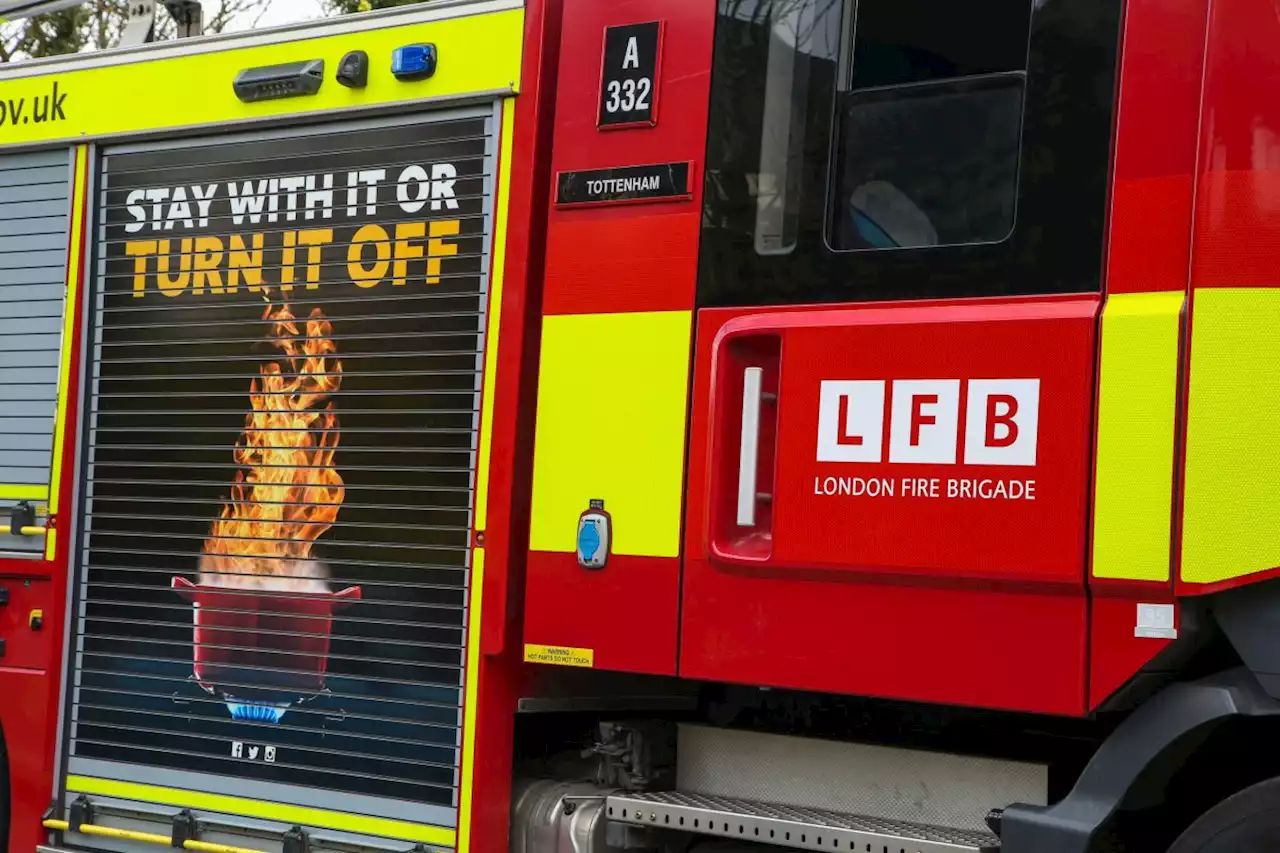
(34,210)
(282,431)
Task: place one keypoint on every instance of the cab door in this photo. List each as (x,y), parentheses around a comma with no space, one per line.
(895,344)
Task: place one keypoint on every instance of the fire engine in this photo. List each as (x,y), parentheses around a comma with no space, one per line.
(671,425)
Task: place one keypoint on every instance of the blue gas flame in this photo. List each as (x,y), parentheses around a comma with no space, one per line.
(260,712)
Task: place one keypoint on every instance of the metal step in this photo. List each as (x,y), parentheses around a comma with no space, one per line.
(787,826)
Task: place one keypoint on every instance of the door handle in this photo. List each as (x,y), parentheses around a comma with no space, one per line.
(749,448)
(742,452)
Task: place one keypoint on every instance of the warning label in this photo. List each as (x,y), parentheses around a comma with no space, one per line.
(559,655)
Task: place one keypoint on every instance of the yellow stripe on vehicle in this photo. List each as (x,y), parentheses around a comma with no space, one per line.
(502,207)
(479,53)
(1137,422)
(75,264)
(612,401)
(1231,515)
(279,812)
(471,696)
(16,492)
(466,789)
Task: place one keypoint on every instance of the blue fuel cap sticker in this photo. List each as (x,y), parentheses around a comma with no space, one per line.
(593,537)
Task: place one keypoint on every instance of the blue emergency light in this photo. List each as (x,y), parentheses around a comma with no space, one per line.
(413,61)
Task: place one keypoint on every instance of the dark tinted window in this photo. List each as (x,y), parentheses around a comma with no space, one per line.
(927,165)
(991,117)
(928,128)
(926,41)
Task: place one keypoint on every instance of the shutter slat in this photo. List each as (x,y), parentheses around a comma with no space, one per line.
(34,228)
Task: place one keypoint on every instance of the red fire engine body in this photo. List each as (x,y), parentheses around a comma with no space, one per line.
(732,424)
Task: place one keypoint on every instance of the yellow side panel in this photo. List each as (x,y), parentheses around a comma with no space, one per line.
(1137,416)
(501,214)
(1231,524)
(280,812)
(467,790)
(478,53)
(70,316)
(611,425)
(12,492)
(471,698)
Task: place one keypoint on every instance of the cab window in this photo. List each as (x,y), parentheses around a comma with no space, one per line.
(894,149)
(929,124)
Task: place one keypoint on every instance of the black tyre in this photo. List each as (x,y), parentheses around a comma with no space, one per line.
(1247,822)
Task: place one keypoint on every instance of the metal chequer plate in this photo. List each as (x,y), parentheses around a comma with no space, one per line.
(787,826)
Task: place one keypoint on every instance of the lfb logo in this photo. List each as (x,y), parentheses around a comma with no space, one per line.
(1001,421)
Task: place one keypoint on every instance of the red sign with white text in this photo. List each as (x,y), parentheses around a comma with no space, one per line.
(950,439)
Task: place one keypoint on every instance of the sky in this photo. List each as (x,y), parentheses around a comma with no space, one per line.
(278,12)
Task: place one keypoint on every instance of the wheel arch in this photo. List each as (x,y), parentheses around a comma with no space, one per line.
(1150,761)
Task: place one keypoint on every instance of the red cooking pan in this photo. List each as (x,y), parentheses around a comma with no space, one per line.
(251,642)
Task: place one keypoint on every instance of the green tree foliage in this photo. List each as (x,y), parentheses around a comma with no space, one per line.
(54,34)
(97,24)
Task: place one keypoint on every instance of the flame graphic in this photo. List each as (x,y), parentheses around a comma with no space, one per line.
(292,491)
